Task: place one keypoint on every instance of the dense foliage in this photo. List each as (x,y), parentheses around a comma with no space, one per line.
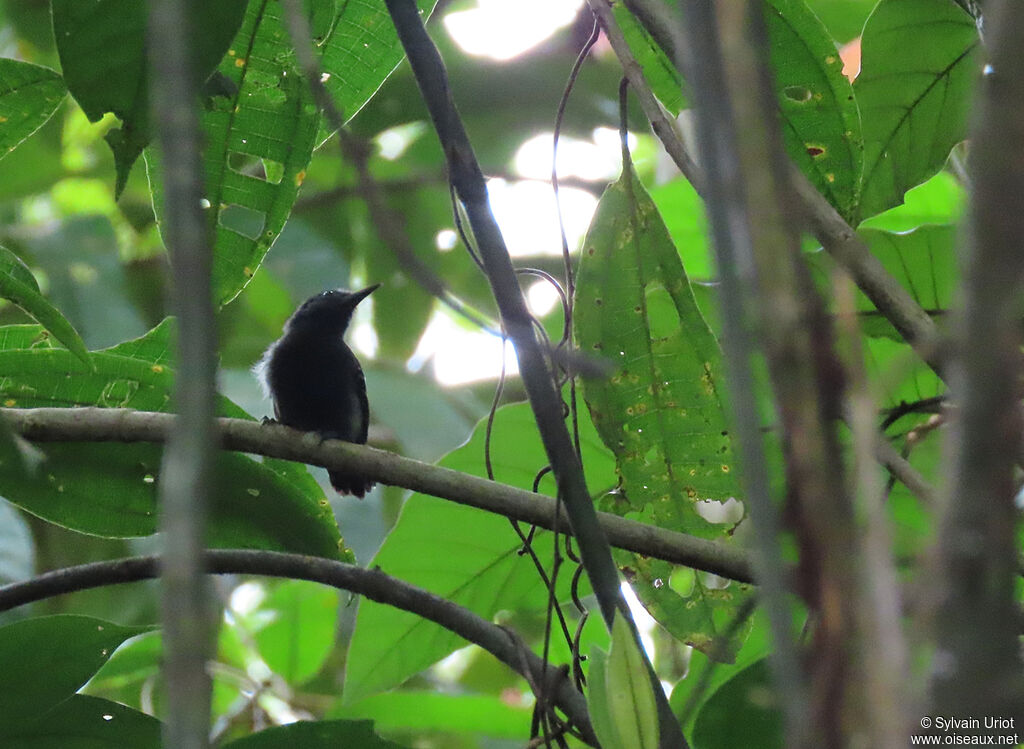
(83,270)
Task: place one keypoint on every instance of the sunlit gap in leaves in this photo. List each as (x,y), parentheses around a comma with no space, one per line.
(645,625)
(528,217)
(501,30)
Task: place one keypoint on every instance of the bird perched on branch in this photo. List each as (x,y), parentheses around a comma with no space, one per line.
(315,380)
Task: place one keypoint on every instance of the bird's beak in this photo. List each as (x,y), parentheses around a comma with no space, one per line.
(358,296)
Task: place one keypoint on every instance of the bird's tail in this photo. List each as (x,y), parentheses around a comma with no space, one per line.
(347,483)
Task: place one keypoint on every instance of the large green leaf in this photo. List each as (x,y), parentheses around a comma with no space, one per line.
(660,412)
(820,120)
(260,130)
(918,64)
(262,124)
(29,95)
(321,734)
(359,50)
(102,46)
(45,660)
(463,554)
(744,711)
(83,722)
(924,261)
(408,711)
(19,286)
(109,489)
(298,640)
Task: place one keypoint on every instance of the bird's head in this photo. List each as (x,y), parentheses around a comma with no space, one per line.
(328,312)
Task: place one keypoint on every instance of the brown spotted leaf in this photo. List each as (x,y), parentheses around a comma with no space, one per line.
(660,411)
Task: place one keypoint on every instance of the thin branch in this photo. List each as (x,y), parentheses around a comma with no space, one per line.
(189,625)
(277,441)
(375,585)
(900,469)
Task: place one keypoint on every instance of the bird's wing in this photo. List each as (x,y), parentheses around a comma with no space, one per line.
(364,405)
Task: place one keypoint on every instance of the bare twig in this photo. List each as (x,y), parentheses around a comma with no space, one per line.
(373,584)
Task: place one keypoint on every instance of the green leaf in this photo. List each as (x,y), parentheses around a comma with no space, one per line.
(87,279)
(706,675)
(296,643)
(321,734)
(401,308)
(628,690)
(742,712)
(480,566)
(914,90)
(923,261)
(597,701)
(29,95)
(359,50)
(843,18)
(45,660)
(940,200)
(421,711)
(820,120)
(102,51)
(109,489)
(660,412)
(19,286)
(136,664)
(260,130)
(659,72)
(83,722)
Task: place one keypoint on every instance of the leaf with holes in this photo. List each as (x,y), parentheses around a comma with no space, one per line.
(660,412)
(102,51)
(918,66)
(29,95)
(109,489)
(18,285)
(820,120)
(260,129)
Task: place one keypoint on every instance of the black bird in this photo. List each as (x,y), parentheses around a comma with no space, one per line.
(315,380)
